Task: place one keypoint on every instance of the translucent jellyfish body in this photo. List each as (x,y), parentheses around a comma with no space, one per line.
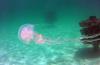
(26,33)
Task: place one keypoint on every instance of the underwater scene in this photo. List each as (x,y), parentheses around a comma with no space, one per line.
(46,32)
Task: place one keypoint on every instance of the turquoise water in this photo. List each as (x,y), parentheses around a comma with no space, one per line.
(14,52)
(63,24)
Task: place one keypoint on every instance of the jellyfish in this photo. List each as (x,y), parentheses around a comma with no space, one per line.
(27,34)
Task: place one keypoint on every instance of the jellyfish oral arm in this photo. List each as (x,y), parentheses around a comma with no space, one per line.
(39,38)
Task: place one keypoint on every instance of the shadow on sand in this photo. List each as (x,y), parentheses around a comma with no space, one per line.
(87,53)
(50,18)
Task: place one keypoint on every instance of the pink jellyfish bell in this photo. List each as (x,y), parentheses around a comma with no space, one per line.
(26,33)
